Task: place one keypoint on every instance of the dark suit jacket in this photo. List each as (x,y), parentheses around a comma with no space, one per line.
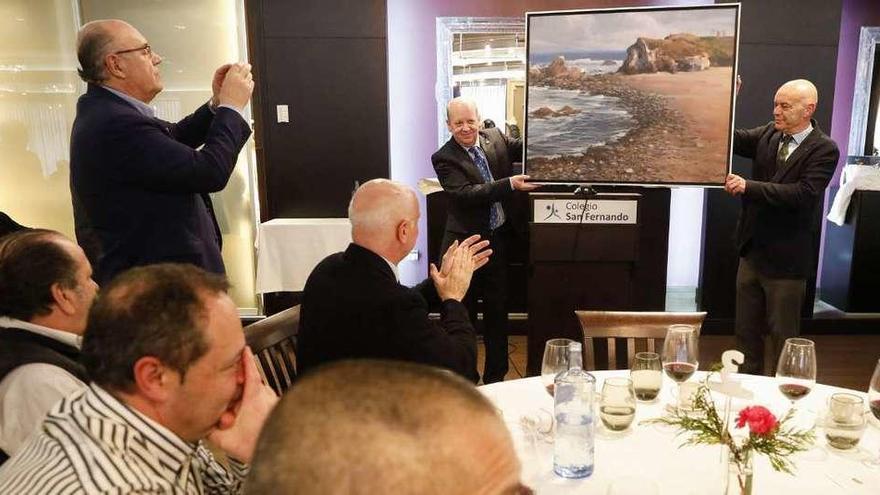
(354,308)
(469,195)
(8,225)
(140,187)
(779,223)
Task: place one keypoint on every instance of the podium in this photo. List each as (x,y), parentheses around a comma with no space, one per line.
(603,252)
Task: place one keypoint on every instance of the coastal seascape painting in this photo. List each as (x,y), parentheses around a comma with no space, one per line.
(631,96)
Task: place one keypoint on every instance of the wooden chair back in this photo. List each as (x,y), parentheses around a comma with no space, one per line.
(634,326)
(273,341)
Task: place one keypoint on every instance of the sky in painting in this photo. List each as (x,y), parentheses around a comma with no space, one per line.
(549,34)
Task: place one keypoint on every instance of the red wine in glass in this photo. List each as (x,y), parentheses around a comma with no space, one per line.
(794,391)
(875,408)
(678,371)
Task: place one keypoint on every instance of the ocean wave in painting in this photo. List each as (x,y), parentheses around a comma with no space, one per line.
(600,120)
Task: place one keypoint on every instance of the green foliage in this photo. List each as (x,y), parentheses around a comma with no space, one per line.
(719,49)
(706,427)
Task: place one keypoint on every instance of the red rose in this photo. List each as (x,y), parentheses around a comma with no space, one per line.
(761,421)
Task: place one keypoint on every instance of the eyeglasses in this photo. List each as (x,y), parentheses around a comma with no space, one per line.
(147,50)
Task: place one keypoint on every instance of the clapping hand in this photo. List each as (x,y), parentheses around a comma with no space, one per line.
(459,262)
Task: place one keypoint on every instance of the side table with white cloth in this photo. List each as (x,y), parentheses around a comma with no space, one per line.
(853,178)
(289,248)
(852,240)
(652,451)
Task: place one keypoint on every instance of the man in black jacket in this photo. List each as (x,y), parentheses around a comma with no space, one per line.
(475,168)
(8,225)
(779,224)
(355,307)
(46,290)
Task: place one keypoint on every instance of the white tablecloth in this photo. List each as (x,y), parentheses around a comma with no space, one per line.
(853,178)
(289,248)
(653,452)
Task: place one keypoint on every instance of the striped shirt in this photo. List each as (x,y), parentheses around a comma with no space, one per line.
(91,443)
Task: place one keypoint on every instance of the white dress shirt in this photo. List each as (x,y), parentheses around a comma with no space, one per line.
(28,392)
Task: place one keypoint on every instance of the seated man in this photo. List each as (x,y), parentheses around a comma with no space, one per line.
(369,427)
(355,307)
(46,290)
(166,355)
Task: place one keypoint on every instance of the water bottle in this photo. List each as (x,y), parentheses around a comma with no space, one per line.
(573,446)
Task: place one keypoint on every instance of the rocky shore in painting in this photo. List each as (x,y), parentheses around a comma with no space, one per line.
(658,135)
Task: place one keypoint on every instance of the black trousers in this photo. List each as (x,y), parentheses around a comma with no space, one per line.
(488,294)
(765,306)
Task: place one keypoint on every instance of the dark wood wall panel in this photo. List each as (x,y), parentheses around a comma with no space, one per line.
(326,60)
(790,22)
(325,18)
(765,67)
(779,41)
(339,122)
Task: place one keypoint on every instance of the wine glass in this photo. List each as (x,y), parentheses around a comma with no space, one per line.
(796,370)
(555,361)
(874,405)
(680,353)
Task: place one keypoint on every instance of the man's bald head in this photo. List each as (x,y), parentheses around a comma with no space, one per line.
(384,218)
(803,89)
(461,103)
(463,121)
(794,106)
(365,427)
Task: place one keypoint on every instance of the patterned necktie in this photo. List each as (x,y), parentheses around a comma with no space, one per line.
(496,214)
(782,154)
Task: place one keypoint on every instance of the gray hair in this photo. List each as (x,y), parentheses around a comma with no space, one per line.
(92,44)
(371,213)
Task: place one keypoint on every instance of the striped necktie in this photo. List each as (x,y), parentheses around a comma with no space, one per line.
(496,214)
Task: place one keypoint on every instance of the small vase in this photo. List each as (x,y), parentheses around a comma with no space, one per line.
(738,479)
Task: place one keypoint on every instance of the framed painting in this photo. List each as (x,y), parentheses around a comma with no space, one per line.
(638,96)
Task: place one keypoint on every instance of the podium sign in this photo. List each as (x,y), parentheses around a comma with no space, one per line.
(593,211)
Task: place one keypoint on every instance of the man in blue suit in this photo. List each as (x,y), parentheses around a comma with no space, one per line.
(475,168)
(140,184)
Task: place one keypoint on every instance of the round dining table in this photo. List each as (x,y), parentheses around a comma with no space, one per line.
(654,455)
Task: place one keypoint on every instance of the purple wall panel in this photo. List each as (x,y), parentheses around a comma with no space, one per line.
(855,14)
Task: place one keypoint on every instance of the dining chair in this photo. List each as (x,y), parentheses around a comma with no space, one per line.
(634,326)
(273,342)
